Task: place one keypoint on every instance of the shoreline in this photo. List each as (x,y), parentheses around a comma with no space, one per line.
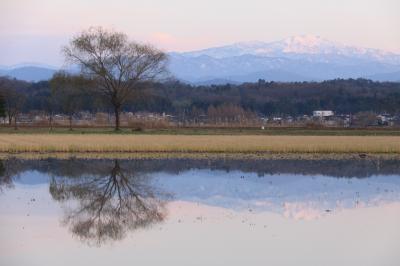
(204,130)
(200,156)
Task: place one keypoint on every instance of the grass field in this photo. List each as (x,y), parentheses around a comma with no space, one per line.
(273,131)
(101,143)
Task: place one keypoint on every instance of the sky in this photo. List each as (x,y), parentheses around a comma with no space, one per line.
(35,30)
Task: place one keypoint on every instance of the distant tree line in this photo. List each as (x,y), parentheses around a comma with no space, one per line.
(273,98)
(67,95)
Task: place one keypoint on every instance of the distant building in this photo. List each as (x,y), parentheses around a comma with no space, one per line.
(323,113)
(385,120)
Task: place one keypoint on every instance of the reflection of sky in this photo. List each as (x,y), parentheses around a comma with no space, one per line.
(297,196)
(209,223)
(294,196)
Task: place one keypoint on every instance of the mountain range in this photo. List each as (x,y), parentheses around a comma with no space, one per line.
(298,58)
(29,71)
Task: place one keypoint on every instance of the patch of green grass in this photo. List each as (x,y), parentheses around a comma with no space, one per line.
(276,131)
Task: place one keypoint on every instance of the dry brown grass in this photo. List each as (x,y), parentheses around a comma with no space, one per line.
(15,143)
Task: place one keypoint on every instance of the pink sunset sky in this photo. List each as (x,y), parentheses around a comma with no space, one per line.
(35,30)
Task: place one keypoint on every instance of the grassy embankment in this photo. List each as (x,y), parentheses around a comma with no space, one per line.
(163,143)
(271,131)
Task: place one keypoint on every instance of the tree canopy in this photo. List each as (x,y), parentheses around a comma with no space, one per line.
(115,64)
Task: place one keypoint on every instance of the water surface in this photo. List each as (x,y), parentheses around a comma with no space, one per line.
(200,212)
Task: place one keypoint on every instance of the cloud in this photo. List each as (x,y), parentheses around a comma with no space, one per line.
(171,42)
(163,38)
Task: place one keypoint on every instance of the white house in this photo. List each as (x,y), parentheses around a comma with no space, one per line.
(323,113)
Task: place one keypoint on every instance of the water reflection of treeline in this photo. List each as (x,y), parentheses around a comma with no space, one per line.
(329,167)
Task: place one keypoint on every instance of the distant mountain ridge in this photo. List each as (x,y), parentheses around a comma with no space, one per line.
(298,58)
(295,47)
(28,71)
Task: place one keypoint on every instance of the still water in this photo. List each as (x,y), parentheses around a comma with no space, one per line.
(199,212)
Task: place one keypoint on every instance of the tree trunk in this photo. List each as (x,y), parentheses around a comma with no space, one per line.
(9,119)
(117,113)
(51,121)
(15,122)
(70,122)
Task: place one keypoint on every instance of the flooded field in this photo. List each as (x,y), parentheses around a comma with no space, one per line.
(200,212)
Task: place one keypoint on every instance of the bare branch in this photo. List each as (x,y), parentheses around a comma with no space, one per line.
(116,64)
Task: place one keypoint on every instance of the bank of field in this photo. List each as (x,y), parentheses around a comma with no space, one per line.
(270,131)
(17,143)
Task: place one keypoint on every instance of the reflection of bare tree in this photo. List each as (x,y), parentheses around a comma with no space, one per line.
(9,170)
(108,206)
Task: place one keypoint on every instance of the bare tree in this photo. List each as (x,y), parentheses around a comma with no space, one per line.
(67,93)
(49,106)
(14,103)
(116,64)
(14,99)
(2,109)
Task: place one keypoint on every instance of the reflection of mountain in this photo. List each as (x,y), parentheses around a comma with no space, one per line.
(297,196)
(295,188)
(108,205)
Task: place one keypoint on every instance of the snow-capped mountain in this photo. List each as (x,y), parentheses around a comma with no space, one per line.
(296,58)
(295,46)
